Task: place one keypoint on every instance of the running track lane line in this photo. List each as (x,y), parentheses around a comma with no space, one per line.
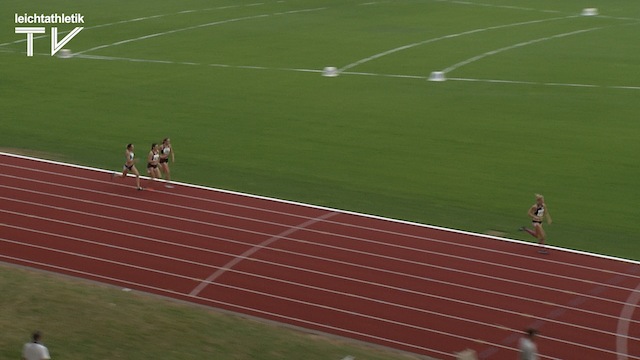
(255,249)
(626,316)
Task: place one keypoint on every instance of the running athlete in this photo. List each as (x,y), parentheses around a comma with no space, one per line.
(537,213)
(152,162)
(165,151)
(129,166)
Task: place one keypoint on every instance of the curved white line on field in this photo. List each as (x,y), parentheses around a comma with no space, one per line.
(220,22)
(450,36)
(626,316)
(511,47)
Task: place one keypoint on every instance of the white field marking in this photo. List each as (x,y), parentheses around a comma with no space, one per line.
(374,3)
(252,67)
(247,254)
(320,208)
(511,47)
(417,77)
(202,235)
(450,36)
(510,7)
(343,249)
(312,287)
(626,317)
(459,2)
(318,71)
(325,208)
(220,22)
(518,82)
(354,238)
(173,294)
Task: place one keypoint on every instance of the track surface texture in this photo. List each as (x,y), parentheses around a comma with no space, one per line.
(421,289)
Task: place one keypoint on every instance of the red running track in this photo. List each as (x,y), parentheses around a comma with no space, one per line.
(420,289)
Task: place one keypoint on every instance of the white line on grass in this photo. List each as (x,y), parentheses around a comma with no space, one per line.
(511,7)
(220,22)
(518,82)
(507,48)
(355,73)
(450,36)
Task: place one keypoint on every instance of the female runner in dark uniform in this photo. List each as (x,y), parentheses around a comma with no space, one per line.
(537,213)
(152,162)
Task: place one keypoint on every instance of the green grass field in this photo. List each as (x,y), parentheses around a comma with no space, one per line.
(543,101)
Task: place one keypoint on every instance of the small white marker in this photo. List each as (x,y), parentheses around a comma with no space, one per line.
(437,76)
(330,71)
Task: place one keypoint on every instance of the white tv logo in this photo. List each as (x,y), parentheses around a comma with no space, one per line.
(55,45)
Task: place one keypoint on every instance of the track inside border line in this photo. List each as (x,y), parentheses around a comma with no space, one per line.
(419,289)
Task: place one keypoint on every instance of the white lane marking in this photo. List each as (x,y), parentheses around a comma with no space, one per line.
(194,27)
(511,47)
(449,36)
